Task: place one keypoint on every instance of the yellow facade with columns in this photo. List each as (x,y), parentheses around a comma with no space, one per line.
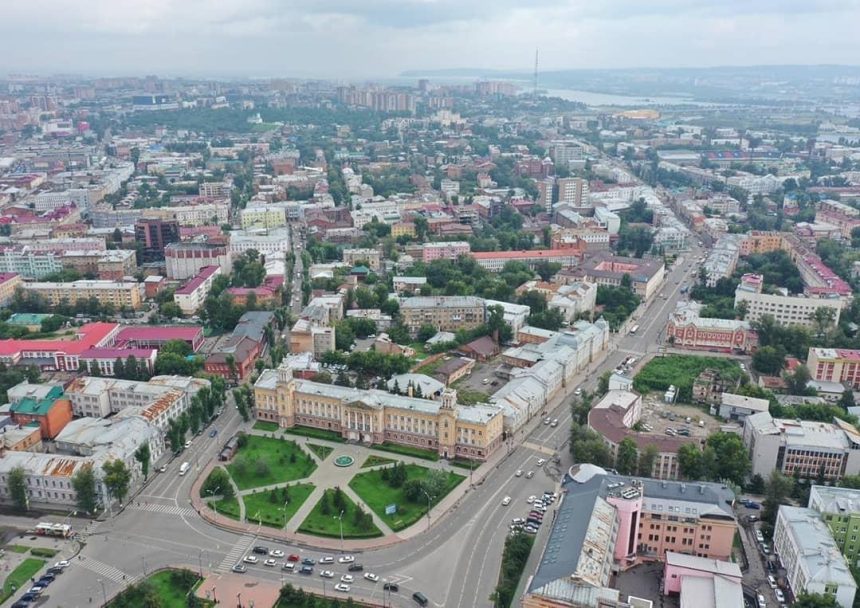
(373,416)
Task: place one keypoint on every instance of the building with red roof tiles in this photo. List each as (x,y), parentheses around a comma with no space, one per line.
(145,336)
(61,355)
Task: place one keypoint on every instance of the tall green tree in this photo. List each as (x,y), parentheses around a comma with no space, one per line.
(143,455)
(17,483)
(628,456)
(117,478)
(777,489)
(84,484)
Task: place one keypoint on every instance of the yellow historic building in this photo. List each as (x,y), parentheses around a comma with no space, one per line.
(373,416)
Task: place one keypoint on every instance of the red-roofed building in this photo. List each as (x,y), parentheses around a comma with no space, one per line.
(58,354)
(265,293)
(190,296)
(835,365)
(155,337)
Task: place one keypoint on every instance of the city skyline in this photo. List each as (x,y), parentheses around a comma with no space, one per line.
(381,39)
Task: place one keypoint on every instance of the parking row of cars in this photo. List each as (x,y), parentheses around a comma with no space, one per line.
(295,563)
(533,520)
(33,593)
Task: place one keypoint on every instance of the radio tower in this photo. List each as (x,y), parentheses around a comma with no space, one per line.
(535,92)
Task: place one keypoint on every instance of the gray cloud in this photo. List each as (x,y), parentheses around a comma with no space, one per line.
(375,38)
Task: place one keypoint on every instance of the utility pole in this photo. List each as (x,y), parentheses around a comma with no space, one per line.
(535,92)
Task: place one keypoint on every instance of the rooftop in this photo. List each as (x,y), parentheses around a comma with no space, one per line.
(198,280)
(818,555)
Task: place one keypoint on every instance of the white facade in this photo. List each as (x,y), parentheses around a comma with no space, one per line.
(786,310)
(810,556)
(515,314)
(266,241)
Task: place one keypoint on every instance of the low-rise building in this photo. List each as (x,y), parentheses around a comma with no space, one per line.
(119,294)
(703,582)
(445,313)
(646,275)
(808,449)
(186,259)
(307,336)
(810,557)
(495,261)
(515,315)
(835,365)
(190,297)
(9,282)
(409,284)
(686,329)
(374,416)
(372,258)
(143,336)
(276,240)
(738,407)
(447,250)
(41,404)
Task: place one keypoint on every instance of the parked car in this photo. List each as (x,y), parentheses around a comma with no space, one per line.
(327,574)
(306,570)
(780,596)
(250,559)
(530,474)
(288,567)
(308,561)
(293,557)
(394,587)
(328,559)
(261,550)
(239,568)
(276,553)
(270,563)
(519,473)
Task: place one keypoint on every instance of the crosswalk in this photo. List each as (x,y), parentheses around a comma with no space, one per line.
(105,570)
(166,509)
(236,553)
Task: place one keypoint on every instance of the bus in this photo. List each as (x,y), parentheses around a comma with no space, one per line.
(183,469)
(49,529)
(634,329)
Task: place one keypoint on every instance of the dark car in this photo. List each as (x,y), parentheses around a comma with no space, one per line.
(751,504)
(355,568)
(391,587)
(308,561)
(213,432)
(55,570)
(28,597)
(420,598)
(21,604)
(306,570)
(260,550)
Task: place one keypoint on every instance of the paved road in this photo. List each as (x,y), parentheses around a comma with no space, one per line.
(455,564)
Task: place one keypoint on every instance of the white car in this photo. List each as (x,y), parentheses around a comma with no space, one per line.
(250,559)
(270,563)
(780,596)
(531,499)
(187,444)
(328,559)
(547,420)
(63,563)
(530,474)
(346,559)
(276,553)
(554,423)
(347,578)
(540,462)
(342,588)
(371,577)
(506,501)
(327,574)
(519,473)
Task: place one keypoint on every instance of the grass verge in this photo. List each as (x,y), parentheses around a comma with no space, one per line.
(315,433)
(267,508)
(20,576)
(375,461)
(263,425)
(323,519)
(377,494)
(407,450)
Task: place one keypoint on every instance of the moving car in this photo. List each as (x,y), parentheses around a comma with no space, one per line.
(506,501)
(328,559)
(540,462)
(530,474)
(547,420)
(420,598)
(288,567)
(371,577)
(355,568)
(308,561)
(239,568)
(391,587)
(293,557)
(519,473)
(342,588)
(306,570)
(554,423)
(63,563)
(347,578)
(213,432)
(327,574)
(346,559)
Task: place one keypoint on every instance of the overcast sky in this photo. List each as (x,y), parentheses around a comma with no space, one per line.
(379,38)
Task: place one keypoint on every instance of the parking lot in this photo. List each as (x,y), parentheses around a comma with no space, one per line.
(482,378)
(660,417)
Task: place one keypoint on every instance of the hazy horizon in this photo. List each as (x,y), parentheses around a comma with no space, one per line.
(340,39)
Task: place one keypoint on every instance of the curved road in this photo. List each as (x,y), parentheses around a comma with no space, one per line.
(455,564)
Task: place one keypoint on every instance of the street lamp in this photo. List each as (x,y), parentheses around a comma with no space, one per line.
(286,502)
(429,500)
(340,519)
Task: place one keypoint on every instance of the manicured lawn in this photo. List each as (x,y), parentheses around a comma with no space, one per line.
(375,461)
(263,425)
(17,548)
(319,523)
(265,461)
(20,576)
(170,586)
(321,451)
(315,433)
(228,507)
(377,494)
(407,450)
(263,507)
(468,396)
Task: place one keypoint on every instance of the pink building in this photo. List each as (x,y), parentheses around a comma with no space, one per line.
(702,581)
(447,250)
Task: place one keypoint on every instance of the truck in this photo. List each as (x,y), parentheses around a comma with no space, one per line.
(183,468)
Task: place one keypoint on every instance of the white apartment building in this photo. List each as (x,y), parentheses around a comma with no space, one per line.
(515,314)
(264,241)
(190,297)
(785,309)
(574,299)
(810,556)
